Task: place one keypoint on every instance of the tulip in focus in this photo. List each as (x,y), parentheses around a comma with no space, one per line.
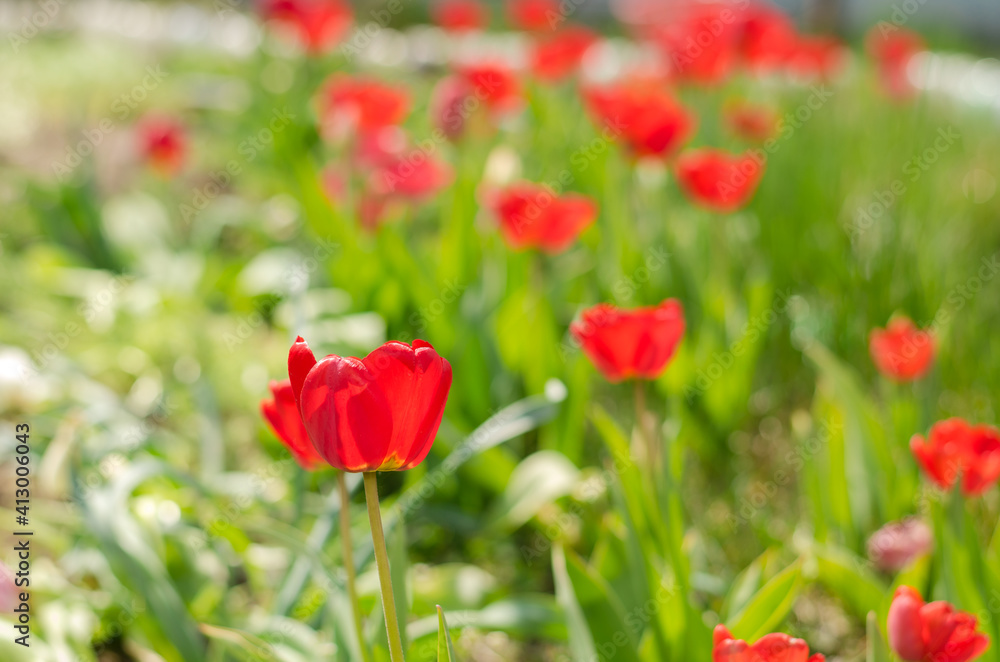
(318,25)
(460,15)
(955,448)
(282,414)
(163,143)
(897,544)
(717,180)
(901,351)
(630,344)
(531,216)
(774,647)
(933,631)
(380,413)
(647,118)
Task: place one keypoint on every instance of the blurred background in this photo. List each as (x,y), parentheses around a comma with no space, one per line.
(175,212)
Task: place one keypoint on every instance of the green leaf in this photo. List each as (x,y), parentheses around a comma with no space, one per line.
(769,606)
(848,577)
(538,480)
(603,611)
(877,651)
(581,641)
(446,649)
(746,584)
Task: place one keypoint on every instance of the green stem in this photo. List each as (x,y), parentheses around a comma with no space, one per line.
(642,418)
(382,562)
(352,589)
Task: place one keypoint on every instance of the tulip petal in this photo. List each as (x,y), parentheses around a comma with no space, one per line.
(346,413)
(415,382)
(904,625)
(300,361)
(779,647)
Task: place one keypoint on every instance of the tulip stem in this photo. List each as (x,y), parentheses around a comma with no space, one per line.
(642,417)
(348,552)
(382,562)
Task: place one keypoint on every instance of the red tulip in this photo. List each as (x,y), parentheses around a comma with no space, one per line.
(700,45)
(349,105)
(892,53)
(717,180)
(380,413)
(901,351)
(897,544)
(560,55)
(767,38)
(163,143)
(531,216)
(626,344)
(493,84)
(752,123)
(410,177)
(933,631)
(460,15)
(282,414)
(816,57)
(317,24)
(648,119)
(955,448)
(534,15)
(774,647)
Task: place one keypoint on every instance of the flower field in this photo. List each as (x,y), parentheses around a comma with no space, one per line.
(497,332)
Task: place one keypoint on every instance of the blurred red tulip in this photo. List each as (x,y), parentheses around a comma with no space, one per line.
(774,647)
(408,178)
(767,38)
(627,344)
(559,55)
(163,143)
(718,180)
(380,413)
(460,15)
(318,25)
(531,216)
(493,84)
(478,90)
(534,15)
(282,414)
(933,631)
(751,122)
(700,45)
(816,57)
(892,52)
(649,119)
(901,351)
(954,448)
(413,175)
(349,105)
(897,544)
